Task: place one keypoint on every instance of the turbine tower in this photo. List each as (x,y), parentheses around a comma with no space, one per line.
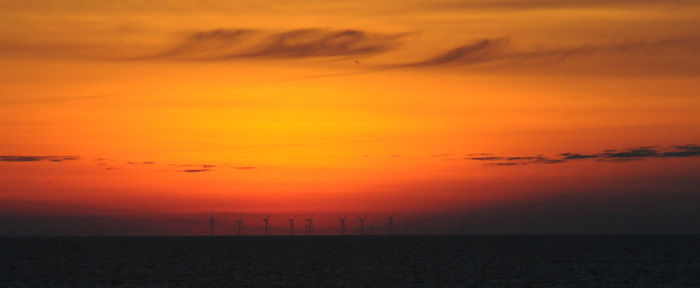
(211,224)
(291,225)
(391,222)
(310,224)
(240,224)
(362,224)
(342,225)
(267,223)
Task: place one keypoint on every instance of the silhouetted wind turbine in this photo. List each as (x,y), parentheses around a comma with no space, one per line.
(291,225)
(240,224)
(211,224)
(267,223)
(391,222)
(310,223)
(362,224)
(342,225)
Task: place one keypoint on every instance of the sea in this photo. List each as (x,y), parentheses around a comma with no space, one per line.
(353,261)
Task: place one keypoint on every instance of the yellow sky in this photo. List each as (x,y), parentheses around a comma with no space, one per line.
(334,104)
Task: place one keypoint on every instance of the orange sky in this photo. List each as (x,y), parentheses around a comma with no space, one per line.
(344,108)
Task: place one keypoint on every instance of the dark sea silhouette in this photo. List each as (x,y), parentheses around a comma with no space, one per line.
(354,261)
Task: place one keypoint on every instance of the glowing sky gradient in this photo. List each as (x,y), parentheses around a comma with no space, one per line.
(518,116)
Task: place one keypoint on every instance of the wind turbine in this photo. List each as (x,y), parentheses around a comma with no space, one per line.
(240,224)
(362,224)
(342,225)
(267,223)
(211,224)
(391,222)
(310,223)
(291,225)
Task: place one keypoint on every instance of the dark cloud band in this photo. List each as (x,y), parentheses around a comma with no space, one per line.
(499,49)
(610,155)
(227,44)
(195,170)
(14,158)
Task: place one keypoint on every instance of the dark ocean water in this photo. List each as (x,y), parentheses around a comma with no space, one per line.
(400,261)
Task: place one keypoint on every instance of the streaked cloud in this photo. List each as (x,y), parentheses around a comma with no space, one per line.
(549,4)
(15,158)
(229,44)
(245,167)
(500,50)
(608,155)
(479,51)
(576,156)
(195,170)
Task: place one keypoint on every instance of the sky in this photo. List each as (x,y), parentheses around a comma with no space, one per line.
(145,117)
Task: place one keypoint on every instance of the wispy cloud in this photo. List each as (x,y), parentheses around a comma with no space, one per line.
(195,170)
(228,44)
(489,158)
(203,166)
(664,56)
(500,50)
(608,155)
(479,51)
(14,158)
(451,5)
(651,152)
(188,168)
(145,163)
(245,167)
(576,156)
